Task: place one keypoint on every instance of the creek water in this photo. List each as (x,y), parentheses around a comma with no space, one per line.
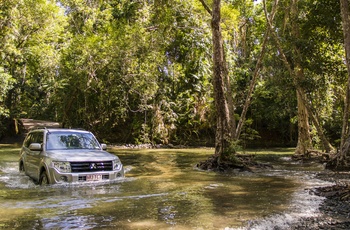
(162,189)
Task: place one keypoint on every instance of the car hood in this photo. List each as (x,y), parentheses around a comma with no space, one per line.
(80,155)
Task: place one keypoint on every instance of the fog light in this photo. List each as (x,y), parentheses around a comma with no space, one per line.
(64,178)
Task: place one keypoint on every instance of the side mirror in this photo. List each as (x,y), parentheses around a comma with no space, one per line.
(35,147)
(104,146)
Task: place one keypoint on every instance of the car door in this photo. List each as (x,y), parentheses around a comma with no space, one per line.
(26,154)
(34,156)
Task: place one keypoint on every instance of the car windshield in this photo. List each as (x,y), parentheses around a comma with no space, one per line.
(71,140)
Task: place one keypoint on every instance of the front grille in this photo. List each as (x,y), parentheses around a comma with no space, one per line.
(91,166)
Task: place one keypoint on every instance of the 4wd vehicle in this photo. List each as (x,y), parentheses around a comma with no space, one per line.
(51,156)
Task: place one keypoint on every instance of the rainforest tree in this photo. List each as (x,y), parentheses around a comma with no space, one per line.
(224,73)
(31,34)
(342,158)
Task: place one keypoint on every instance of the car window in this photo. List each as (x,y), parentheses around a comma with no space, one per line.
(71,140)
(27,141)
(38,137)
(35,137)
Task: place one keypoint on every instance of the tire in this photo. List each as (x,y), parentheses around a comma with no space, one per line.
(44,180)
(21,167)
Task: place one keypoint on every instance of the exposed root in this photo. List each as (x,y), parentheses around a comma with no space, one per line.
(333,161)
(240,162)
(312,155)
(337,164)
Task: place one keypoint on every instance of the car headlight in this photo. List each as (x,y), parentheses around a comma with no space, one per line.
(62,166)
(117,165)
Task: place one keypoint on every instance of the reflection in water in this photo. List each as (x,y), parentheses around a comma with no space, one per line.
(162,190)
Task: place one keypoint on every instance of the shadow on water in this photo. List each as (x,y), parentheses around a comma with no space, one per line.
(162,190)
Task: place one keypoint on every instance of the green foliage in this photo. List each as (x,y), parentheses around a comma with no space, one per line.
(140,71)
(6,84)
(321,52)
(31,31)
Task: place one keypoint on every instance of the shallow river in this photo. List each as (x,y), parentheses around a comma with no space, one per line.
(162,189)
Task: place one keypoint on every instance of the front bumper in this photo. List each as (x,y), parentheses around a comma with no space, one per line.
(104,176)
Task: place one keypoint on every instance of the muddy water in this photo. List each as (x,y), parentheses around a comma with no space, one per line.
(161,190)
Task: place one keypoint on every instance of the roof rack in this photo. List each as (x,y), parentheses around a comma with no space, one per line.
(37,127)
(46,128)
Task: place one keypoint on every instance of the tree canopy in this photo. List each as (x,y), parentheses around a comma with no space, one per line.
(142,71)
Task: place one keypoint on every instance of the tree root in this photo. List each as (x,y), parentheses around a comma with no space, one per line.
(333,162)
(312,155)
(240,162)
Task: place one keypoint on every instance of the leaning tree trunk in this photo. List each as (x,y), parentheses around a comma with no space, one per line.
(222,91)
(327,146)
(251,87)
(255,74)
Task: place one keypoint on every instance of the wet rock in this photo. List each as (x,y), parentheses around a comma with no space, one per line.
(334,211)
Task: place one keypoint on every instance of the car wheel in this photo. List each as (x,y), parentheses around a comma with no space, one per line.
(44,180)
(21,167)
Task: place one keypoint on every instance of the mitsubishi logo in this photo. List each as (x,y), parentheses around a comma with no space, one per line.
(93,166)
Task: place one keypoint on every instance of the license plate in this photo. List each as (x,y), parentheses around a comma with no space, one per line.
(93,177)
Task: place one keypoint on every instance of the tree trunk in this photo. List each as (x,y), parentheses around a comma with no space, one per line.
(304,108)
(304,138)
(327,146)
(345,14)
(222,91)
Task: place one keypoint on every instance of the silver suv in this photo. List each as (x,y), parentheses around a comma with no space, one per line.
(52,156)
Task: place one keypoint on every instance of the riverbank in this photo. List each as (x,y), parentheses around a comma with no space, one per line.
(334,211)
